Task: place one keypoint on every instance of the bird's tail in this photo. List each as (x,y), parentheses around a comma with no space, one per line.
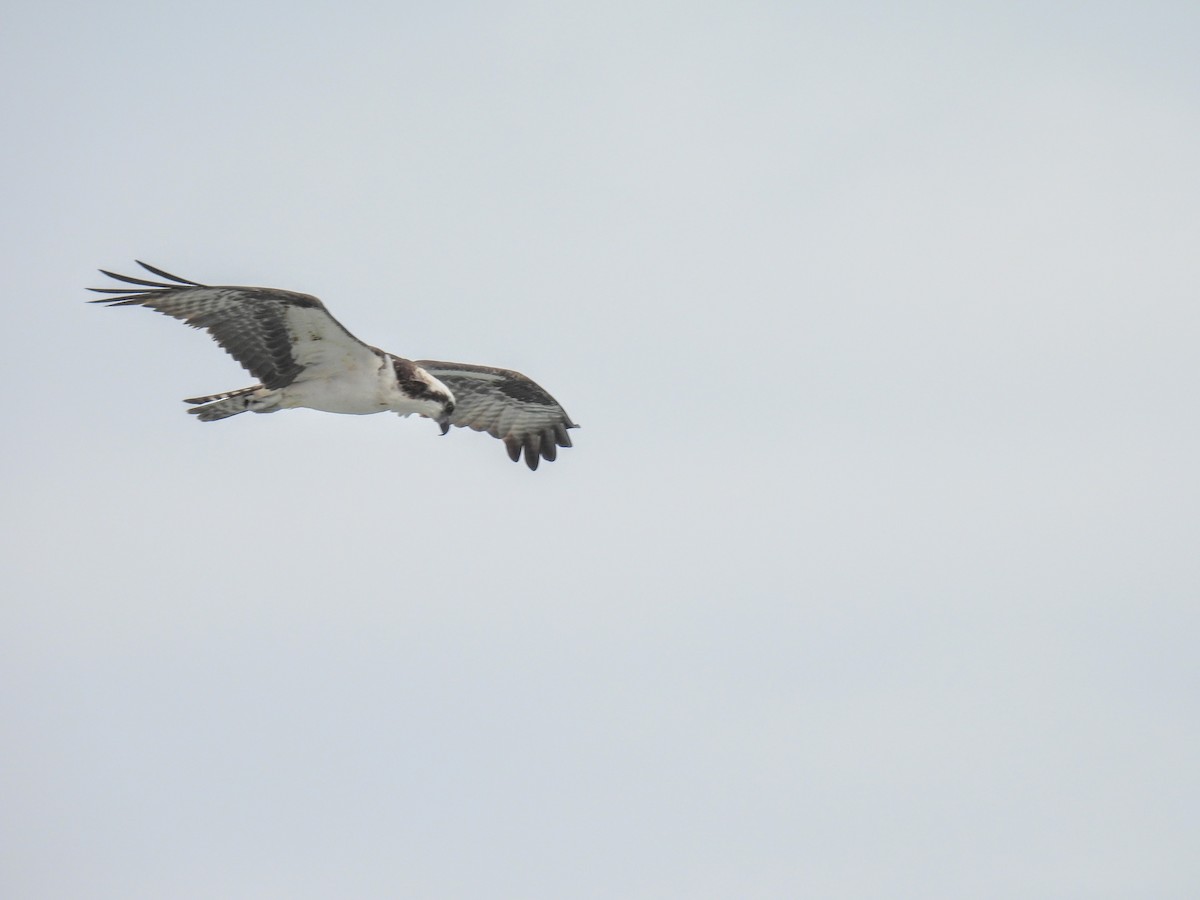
(222,406)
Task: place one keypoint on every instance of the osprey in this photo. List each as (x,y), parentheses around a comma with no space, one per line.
(305,358)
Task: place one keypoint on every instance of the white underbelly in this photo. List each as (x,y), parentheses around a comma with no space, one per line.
(348,395)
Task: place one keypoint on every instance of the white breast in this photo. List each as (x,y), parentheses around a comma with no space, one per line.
(345,386)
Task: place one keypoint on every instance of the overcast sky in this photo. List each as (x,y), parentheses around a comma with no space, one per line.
(874,571)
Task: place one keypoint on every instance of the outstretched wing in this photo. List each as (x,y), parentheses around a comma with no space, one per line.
(506,405)
(274,334)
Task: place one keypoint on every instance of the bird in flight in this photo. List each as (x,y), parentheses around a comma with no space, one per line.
(304,357)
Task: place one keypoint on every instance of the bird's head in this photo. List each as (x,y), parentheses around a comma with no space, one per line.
(426,395)
(442,399)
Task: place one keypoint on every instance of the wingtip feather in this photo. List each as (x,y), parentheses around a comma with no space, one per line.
(167,275)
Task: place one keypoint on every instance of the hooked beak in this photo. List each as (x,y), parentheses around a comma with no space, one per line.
(444,422)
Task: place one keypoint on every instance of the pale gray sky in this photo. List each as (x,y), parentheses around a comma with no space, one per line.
(874,570)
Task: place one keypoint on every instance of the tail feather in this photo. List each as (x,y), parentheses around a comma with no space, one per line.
(224,405)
